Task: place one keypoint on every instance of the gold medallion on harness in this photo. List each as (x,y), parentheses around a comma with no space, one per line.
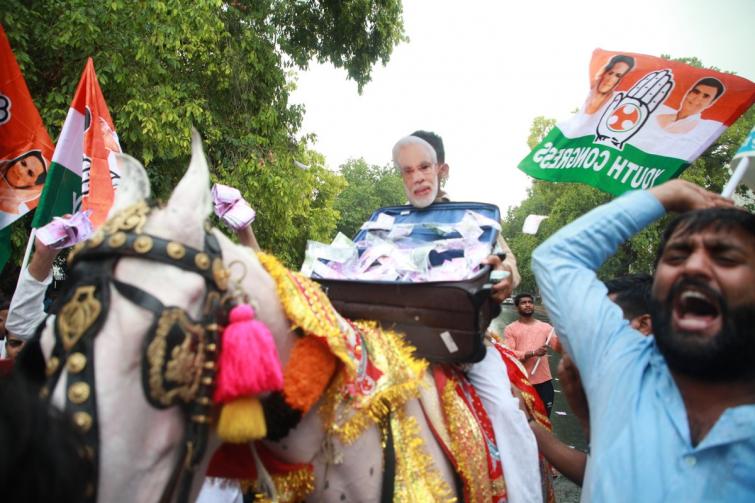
(83,421)
(131,218)
(176,251)
(202,261)
(220,274)
(78,393)
(143,244)
(77,315)
(52,365)
(76,363)
(117,240)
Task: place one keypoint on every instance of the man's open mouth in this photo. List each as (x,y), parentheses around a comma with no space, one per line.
(696,311)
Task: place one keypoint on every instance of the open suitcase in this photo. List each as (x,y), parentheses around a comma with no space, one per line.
(444,320)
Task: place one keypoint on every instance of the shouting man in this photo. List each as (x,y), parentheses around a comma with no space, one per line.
(672,417)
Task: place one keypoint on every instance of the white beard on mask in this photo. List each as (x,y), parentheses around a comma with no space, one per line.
(425,200)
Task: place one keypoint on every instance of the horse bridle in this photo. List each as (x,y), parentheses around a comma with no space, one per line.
(180,355)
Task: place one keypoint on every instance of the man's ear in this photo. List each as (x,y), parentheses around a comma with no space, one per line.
(642,323)
(443,173)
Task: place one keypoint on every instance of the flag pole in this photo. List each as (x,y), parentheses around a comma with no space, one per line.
(736,177)
(537,363)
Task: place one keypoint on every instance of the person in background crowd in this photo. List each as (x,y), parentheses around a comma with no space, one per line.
(529,339)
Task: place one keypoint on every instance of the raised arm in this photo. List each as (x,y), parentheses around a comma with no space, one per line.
(564,266)
(27,306)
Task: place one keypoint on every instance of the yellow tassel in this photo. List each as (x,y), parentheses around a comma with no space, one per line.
(241,421)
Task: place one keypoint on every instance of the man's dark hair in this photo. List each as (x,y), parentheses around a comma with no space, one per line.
(632,294)
(620,58)
(4,302)
(521,296)
(712,82)
(435,141)
(719,219)
(42,456)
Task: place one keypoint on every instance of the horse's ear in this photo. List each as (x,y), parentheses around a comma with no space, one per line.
(134,183)
(193,191)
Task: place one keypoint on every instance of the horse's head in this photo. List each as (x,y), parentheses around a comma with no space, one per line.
(133,351)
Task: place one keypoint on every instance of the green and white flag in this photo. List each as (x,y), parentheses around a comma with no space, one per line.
(84,173)
(644,121)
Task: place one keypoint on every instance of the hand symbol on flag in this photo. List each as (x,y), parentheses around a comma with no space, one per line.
(628,112)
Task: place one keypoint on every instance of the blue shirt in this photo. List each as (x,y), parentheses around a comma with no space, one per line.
(639,434)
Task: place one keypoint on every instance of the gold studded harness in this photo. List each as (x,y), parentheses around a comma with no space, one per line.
(180,354)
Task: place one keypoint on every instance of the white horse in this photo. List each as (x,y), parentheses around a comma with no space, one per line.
(140,447)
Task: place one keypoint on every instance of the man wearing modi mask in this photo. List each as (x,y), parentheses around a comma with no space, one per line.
(420,158)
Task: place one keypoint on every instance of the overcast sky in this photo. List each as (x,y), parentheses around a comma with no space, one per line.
(477,72)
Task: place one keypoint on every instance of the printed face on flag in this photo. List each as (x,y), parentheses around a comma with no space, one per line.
(645,119)
(21,182)
(25,146)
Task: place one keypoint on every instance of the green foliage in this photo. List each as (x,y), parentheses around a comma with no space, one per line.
(564,202)
(369,188)
(225,67)
(540,128)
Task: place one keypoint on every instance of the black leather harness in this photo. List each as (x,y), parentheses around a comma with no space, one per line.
(179,356)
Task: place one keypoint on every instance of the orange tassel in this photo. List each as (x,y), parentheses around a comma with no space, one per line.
(307,374)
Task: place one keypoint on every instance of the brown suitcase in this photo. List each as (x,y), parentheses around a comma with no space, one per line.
(445,321)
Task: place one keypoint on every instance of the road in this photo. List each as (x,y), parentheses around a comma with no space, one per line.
(565,424)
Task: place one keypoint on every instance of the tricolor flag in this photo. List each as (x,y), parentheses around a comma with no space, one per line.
(645,119)
(25,147)
(84,173)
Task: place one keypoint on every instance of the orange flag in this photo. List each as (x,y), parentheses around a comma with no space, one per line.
(84,173)
(25,147)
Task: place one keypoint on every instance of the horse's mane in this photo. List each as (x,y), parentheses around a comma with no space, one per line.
(41,458)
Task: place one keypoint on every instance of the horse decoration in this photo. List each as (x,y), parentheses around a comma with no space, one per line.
(173,340)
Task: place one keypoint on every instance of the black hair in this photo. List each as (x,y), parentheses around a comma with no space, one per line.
(43,457)
(632,293)
(435,141)
(32,153)
(620,58)
(712,82)
(4,302)
(521,296)
(695,221)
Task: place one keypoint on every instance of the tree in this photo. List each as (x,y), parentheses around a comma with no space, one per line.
(564,202)
(227,68)
(369,188)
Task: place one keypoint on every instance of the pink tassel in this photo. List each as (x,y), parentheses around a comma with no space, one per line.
(248,363)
